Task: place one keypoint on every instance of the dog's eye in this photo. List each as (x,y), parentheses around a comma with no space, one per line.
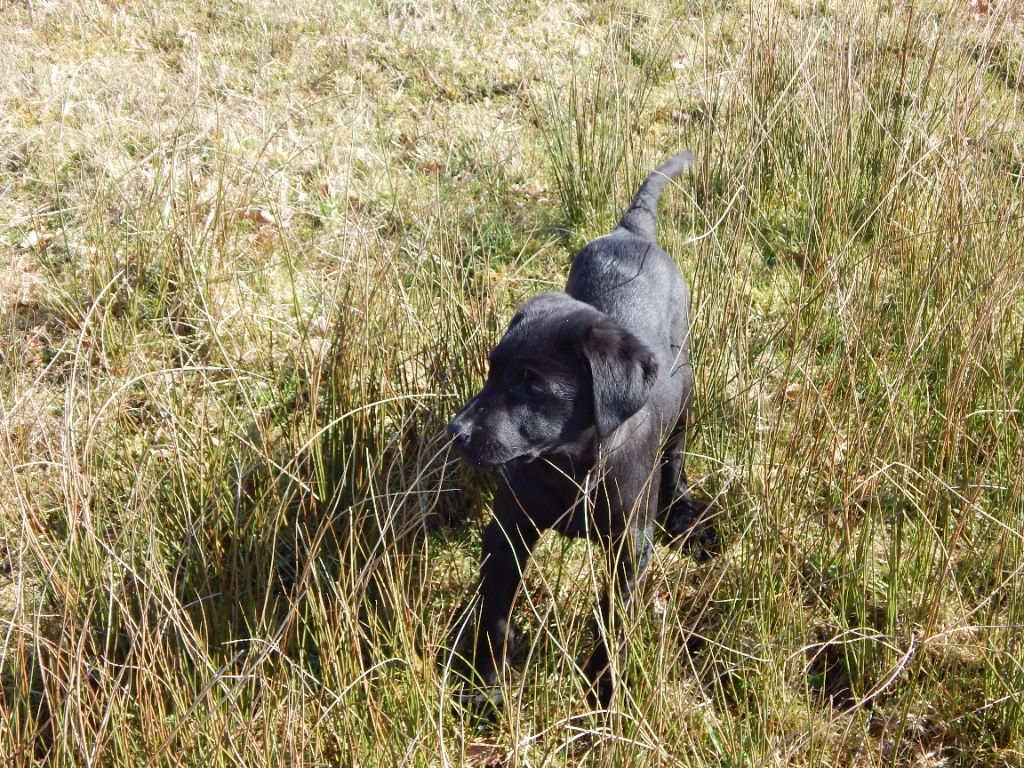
(534,389)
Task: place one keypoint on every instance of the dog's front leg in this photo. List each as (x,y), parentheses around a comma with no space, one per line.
(628,556)
(507,542)
(687,523)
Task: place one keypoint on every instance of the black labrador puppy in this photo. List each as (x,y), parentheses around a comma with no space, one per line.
(584,407)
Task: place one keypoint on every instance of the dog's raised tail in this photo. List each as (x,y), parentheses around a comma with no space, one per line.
(642,217)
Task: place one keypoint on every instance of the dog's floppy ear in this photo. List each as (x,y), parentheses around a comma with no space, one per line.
(623,370)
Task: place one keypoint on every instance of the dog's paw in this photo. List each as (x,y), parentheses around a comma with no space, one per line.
(481,705)
(690,528)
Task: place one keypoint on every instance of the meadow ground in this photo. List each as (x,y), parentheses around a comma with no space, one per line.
(252,256)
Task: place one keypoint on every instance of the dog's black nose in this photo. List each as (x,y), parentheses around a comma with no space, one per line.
(460,432)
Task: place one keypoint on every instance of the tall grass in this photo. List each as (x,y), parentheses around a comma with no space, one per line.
(594,128)
(233,533)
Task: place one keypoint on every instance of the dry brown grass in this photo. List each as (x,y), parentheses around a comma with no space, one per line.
(251,256)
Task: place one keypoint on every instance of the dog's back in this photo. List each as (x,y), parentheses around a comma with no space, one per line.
(627,276)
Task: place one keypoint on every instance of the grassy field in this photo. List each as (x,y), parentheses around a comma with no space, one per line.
(252,256)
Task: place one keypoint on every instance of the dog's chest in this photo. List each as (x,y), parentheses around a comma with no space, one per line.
(580,510)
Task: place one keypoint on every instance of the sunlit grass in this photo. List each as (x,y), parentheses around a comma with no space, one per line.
(251,260)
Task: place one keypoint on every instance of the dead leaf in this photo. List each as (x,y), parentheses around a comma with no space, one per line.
(480,753)
(838,453)
(798,257)
(36,240)
(258,215)
(661,602)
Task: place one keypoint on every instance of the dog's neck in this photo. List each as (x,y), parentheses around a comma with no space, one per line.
(580,456)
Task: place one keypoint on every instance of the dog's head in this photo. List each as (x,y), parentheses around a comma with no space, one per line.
(563,377)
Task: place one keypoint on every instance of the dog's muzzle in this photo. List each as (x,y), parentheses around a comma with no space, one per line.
(461,433)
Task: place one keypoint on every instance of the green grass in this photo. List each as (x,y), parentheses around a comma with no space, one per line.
(252,258)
